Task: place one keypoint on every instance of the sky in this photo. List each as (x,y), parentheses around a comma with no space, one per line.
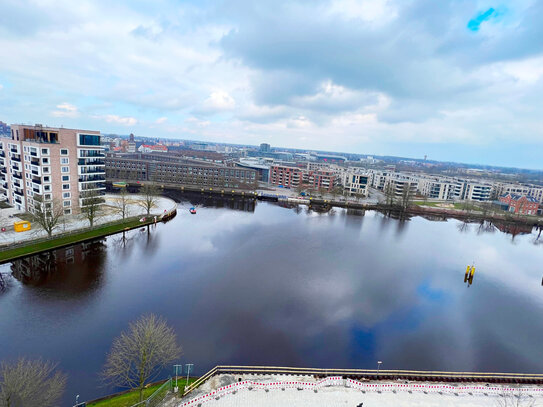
(456,80)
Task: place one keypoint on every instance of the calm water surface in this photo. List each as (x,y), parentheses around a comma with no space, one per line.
(246,284)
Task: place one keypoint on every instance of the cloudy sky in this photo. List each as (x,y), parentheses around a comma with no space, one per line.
(458,80)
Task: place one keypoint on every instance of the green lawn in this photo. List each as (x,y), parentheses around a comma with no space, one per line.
(37,246)
(129,399)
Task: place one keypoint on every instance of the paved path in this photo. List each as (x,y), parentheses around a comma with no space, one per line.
(74,222)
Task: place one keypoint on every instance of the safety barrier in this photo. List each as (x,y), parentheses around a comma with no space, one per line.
(338,381)
(411,375)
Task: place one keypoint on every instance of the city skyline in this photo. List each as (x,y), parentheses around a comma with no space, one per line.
(458,81)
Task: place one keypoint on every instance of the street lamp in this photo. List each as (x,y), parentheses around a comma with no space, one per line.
(188,366)
(176,366)
(378,365)
(76,399)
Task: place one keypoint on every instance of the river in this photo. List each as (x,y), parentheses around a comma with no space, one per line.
(260,284)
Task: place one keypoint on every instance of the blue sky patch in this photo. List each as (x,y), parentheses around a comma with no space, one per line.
(475,23)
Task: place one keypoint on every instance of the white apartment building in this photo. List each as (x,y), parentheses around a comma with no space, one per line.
(356,183)
(437,187)
(51,165)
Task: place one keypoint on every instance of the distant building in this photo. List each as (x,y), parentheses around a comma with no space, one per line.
(520,204)
(265,148)
(355,183)
(294,177)
(166,168)
(131,146)
(44,166)
(156,148)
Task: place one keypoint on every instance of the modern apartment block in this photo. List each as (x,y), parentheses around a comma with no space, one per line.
(51,166)
(167,168)
(292,177)
(355,183)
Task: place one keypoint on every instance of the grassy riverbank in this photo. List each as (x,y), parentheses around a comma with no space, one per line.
(42,244)
(131,398)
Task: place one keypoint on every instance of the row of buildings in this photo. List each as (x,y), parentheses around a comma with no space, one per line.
(39,165)
(43,166)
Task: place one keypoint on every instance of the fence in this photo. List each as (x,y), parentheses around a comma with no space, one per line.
(339,381)
(158,396)
(55,236)
(369,374)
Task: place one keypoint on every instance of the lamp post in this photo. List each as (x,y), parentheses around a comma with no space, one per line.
(378,366)
(76,399)
(176,366)
(188,366)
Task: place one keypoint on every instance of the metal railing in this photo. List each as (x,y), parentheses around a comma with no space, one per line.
(10,245)
(158,396)
(370,374)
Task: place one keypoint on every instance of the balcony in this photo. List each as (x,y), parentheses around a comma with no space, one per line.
(93,171)
(36,181)
(18,176)
(95,178)
(16,159)
(90,161)
(34,161)
(91,154)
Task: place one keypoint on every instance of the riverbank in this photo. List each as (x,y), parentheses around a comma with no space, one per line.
(128,398)
(36,246)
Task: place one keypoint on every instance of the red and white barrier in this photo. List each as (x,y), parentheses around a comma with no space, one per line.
(338,381)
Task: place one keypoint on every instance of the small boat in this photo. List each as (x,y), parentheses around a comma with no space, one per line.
(193,211)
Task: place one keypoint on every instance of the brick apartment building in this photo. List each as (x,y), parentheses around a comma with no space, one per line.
(293,177)
(520,204)
(45,165)
(167,168)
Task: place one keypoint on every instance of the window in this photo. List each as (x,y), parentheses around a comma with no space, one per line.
(65,178)
(65,186)
(64,160)
(89,140)
(66,195)
(64,151)
(67,203)
(67,211)
(64,169)
(47,197)
(47,178)
(45,151)
(45,160)
(47,187)
(46,170)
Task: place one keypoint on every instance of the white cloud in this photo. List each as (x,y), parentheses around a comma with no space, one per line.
(219,100)
(112,118)
(65,110)
(1,86)
(161,120)
(372,11)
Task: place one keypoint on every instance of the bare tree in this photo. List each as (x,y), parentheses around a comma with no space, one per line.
(121,204)
(140,353)
(515,398)
(30,383)
(388,190)
(150,198)
(47,214)
(92,206)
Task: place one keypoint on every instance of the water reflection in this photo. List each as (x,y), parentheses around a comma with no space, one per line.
(71,270)
(213,200)
(264,284)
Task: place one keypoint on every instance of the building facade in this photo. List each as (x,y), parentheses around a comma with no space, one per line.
(296,177)
(520,204)
(171,169)
(355,183)
(51,166)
